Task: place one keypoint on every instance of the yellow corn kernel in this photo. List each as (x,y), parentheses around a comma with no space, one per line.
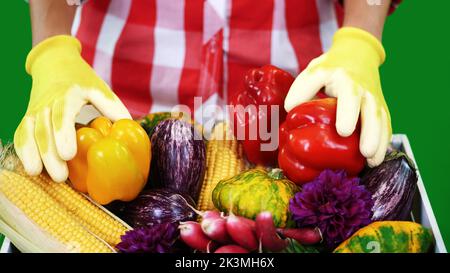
(224,159)
(48,214)
(94,218)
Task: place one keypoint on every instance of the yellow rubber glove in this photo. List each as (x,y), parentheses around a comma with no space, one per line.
(62,84)
(349,71)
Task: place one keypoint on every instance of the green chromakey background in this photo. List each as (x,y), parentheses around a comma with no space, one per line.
(415,81)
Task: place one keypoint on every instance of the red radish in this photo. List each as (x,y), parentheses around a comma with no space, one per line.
(267,233)
(246,220)
(305,236)
(215,228)
(242,231)
(210,214)
(211,246)
(191,234)
(249,222)
(231,249)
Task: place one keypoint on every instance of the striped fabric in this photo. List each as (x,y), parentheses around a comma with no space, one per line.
(159,53)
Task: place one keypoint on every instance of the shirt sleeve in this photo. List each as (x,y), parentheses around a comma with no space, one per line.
(392,8)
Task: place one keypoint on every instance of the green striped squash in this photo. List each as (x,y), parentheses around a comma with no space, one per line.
(388,237)
(254,191)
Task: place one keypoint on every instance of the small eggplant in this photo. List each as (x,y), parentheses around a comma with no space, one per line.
(178,157)
(392,184)
(155,207)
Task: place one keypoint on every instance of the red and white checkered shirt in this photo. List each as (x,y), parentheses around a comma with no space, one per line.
(159,53)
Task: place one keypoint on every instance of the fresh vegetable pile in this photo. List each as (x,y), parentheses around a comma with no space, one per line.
(156,186)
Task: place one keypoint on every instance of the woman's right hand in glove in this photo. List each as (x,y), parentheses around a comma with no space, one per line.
(62,84)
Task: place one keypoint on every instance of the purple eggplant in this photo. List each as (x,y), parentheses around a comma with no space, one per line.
(392,184)
(178,157)
(158,206)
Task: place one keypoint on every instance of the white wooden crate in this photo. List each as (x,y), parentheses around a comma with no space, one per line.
(424,214)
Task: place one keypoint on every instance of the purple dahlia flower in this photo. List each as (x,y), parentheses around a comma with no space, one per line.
(156,239)
(334,203)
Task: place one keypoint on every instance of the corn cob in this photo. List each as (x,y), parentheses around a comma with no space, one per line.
(91,216)
(73,222)
(35,204)
(224,159)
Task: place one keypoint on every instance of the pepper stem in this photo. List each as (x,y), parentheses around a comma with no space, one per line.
(276,173)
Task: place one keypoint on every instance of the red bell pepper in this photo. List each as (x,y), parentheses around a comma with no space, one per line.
(265,86)
(309,143)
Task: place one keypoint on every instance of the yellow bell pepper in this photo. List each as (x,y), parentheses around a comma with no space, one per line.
(112,160)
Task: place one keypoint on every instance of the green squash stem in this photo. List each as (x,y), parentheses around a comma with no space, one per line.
(276,173)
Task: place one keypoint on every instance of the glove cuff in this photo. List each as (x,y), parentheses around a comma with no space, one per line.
(49,46)
(363,36)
